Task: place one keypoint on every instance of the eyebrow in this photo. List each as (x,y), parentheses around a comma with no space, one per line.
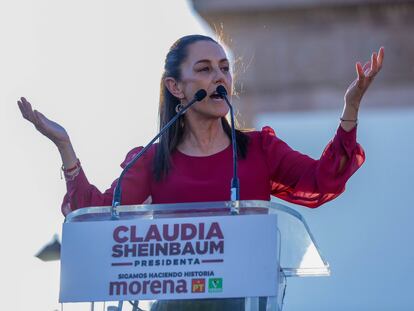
(208,61)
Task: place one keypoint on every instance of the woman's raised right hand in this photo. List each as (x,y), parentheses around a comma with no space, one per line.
(49,128)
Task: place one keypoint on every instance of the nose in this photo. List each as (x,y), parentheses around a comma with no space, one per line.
(219,77)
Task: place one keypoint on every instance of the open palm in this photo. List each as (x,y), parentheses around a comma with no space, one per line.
(365,75)
(49,128)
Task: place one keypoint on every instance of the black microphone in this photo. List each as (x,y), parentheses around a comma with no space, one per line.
(116,201)
(235,183)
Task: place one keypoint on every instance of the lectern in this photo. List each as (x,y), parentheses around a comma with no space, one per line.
(233,255)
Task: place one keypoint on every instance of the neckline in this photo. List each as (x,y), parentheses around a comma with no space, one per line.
(203,157)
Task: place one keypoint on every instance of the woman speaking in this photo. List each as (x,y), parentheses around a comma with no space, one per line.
(192,162)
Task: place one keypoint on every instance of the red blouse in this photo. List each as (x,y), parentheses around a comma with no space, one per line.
(270,168)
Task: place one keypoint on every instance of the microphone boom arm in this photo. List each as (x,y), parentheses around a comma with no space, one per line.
(235,183)
(116,201)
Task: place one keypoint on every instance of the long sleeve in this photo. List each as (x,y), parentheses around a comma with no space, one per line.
(299,179)
(135,187)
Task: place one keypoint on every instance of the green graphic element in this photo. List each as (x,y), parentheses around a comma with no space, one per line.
(215,285)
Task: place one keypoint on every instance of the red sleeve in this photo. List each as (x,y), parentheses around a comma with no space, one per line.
(299,179)
(135,187)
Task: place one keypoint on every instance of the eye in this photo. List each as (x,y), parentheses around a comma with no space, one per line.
(204,69)
(225,68)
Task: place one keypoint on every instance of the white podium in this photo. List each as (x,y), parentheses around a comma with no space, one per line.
(232,255)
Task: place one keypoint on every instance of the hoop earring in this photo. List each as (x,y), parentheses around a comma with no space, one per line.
(179,107)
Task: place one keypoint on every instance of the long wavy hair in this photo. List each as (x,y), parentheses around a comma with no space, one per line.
(167,109)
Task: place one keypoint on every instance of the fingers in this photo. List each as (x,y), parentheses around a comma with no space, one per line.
(371,68)
(360,71)
(366,75)
(380,58)
(376,62)
(374,66)
(33,116)
(26,109)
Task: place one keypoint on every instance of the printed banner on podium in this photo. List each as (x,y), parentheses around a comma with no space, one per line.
(169,258)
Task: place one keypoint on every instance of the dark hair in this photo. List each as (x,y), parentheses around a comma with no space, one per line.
(172,137)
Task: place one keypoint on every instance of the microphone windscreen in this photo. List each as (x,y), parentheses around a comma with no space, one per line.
(221,90)
(200,95)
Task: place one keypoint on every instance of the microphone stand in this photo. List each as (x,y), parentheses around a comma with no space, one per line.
(116,201)
(235,183)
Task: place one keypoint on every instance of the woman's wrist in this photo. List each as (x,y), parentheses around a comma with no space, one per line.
(70,173)
(349,117)
(348,125)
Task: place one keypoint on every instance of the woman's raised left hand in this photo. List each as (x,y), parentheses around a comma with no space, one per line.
(365,75)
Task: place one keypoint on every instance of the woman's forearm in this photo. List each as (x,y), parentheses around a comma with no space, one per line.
(349,117)
(68,155)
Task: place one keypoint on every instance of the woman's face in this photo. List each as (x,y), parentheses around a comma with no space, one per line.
(206,67)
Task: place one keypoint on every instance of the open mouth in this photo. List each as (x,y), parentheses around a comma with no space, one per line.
(215,96)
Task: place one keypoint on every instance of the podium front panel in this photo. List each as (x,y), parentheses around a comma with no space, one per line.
(299,253)
(169,258)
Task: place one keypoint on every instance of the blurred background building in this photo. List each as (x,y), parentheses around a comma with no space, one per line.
(300,54)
